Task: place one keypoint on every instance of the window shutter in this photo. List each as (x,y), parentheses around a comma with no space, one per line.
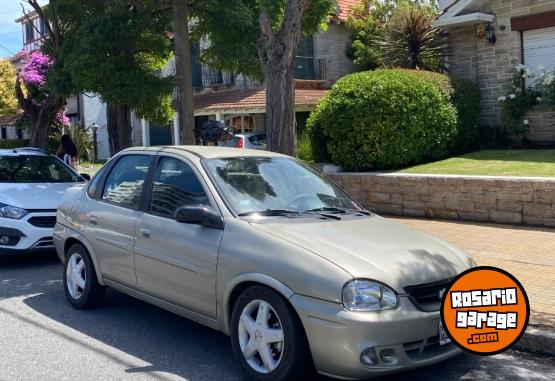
(539,49)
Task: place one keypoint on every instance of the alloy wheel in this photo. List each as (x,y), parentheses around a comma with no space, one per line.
(261,336)
(76,276)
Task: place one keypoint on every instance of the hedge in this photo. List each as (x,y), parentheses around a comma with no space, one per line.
(13,143)
(383,119)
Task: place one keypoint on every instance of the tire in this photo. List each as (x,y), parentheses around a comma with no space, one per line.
(89,293)
(290,359)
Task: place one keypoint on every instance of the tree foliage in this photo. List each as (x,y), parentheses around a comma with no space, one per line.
(234,31)
(259,38)
(117,49)
(40,101)
(8,101)
(396,33)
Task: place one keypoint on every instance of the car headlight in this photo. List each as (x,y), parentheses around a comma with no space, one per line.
(368,295)
(12,212)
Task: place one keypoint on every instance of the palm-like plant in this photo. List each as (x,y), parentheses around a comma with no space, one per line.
(413,42)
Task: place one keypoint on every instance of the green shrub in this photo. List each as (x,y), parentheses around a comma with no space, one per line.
(305,148)
(384,119)
(13,143)
(315,133)
(466,99)
(465,96)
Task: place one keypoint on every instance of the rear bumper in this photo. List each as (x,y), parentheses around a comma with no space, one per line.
(338,337)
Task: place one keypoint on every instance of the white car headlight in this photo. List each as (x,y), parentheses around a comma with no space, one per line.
(368,295)
(12,212)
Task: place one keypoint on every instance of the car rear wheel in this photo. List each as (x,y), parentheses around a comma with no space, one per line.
(267,337)
(80,282)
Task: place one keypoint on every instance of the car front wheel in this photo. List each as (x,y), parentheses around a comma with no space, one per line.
(80,282)
(267,337)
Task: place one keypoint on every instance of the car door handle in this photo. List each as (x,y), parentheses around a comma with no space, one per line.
(93,220)
(145,232)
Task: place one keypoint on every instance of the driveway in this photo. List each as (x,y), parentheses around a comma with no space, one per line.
(42,338)
(526,252)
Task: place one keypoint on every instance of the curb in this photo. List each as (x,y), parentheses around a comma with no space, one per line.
(538,339)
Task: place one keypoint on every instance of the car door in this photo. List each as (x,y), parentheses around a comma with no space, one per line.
(111,221)
(174,261)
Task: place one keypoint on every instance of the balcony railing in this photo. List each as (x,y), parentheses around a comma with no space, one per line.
(310,68)
(213,77)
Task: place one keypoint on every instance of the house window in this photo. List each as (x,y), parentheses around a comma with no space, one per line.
(42,29)
(196,65)
(242,124)
(4,133)
(29,32)
(539,49)
(304,59)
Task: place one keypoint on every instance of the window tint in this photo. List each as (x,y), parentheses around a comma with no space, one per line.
(175,185)
(35,169)
(95,182)
(258,140)
(125,182)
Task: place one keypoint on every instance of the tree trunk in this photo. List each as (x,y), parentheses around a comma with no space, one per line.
(281,127)
(183,70)
(119,127)
(277,56)
(41,116)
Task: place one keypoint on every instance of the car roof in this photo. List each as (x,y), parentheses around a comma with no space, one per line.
(208,152)
(249,134)
(27,151)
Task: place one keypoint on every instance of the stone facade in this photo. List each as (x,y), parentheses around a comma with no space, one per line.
(527,201)
(332,45)
(491,66)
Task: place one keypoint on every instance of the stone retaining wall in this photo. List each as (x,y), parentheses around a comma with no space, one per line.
(528,201)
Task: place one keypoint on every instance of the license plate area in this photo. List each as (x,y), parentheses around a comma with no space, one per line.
(443,337)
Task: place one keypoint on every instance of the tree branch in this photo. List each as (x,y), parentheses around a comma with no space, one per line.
(24,103)
(266,24)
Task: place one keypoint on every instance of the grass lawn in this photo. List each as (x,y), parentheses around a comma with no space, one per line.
(88,167)
(535,163)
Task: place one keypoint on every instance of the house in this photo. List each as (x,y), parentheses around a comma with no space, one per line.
(321,60)
(524,33)
(8,127)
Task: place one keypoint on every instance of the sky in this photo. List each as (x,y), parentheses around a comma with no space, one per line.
(10,32)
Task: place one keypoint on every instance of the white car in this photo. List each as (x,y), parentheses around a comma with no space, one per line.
(249,140)
(31,185)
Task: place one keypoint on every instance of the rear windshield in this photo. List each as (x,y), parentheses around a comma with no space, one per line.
(35,169)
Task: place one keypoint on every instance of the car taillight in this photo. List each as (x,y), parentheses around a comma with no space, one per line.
(239,143)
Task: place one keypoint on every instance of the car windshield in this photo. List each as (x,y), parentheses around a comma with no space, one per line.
(35,169)
(271,185)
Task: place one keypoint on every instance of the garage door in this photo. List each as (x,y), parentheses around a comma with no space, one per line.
(539,49)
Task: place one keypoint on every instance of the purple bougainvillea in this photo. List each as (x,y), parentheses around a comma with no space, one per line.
(62,119)
(35,68)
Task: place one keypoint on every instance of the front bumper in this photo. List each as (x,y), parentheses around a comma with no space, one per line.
(337,338)
(28,237)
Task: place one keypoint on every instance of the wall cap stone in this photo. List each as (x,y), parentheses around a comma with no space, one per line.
(423,175)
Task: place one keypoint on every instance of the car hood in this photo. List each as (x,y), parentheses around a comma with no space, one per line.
(374,248)
(33,196)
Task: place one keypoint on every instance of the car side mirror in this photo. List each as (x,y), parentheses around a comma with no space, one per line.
(200,215)
(86,176)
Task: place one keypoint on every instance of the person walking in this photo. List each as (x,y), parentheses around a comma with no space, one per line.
(68,152)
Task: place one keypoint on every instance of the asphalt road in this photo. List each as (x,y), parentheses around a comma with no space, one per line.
(42,338)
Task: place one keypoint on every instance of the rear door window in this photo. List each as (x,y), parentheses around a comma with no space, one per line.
(258,140)
(124,185)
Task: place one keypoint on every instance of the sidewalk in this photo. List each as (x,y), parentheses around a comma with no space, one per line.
(527,253)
